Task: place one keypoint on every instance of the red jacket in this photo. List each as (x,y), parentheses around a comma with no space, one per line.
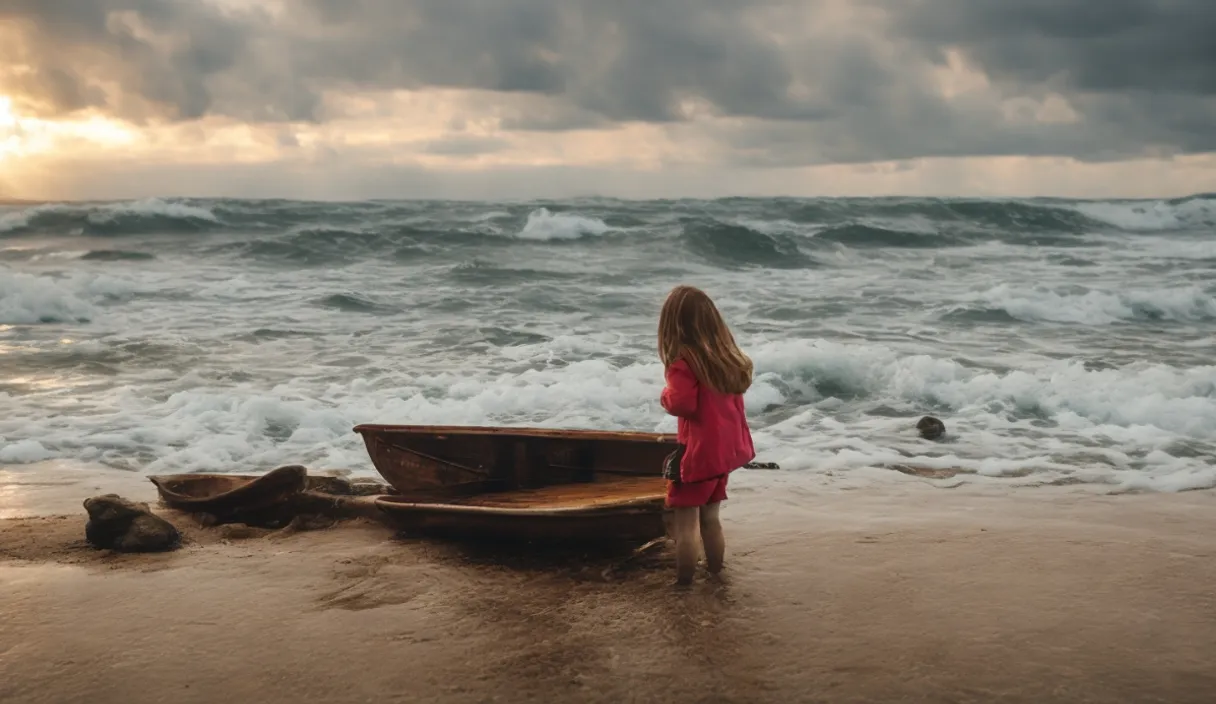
(712,426)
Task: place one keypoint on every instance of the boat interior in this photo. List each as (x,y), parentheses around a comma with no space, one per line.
(582,494)
(518,467)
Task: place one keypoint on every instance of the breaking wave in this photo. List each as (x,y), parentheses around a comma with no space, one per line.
(734,246)
(1154,216)
(544,225)
(149,216)
(1090,307)
(27,299)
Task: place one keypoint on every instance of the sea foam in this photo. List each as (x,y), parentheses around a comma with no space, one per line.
(1132,417)
(27,299)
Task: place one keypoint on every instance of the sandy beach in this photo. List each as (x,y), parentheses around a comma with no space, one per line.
(908,593)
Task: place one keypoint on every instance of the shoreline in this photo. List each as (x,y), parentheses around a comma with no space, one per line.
(58,487)
(900,593)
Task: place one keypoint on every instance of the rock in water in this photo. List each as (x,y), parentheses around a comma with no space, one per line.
(931,428)
(126,526)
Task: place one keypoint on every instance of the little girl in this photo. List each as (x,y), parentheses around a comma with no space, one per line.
(706,378)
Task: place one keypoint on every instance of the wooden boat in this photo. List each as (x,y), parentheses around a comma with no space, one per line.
(522,483)
(228,494)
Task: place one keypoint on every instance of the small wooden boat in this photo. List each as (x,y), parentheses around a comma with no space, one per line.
(228,494)
(522,483)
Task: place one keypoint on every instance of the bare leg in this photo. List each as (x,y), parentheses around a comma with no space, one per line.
(685,520)
(712,536)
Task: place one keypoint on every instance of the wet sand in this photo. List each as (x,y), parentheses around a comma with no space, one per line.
(907,593)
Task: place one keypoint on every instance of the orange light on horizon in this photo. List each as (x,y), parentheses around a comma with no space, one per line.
(21,136)
(9,139)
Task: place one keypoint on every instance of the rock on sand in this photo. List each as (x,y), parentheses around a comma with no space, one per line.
(126,526)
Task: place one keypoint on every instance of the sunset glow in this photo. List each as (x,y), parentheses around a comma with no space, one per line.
(10,142)
(26,136)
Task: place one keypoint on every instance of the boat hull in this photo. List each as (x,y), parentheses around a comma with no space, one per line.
(635,521)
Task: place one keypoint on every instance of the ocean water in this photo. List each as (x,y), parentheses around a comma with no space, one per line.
(1061,341)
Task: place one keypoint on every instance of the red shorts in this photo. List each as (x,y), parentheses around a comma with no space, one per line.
(688,494)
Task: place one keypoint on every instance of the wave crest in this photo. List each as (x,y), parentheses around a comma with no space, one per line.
(147,216)
(861,236)
(1154,216)
(734,246)
(544,225)
(1089,307)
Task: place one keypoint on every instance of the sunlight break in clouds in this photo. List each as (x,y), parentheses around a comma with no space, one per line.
(27,137)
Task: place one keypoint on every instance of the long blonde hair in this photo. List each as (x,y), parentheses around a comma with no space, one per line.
(692,329)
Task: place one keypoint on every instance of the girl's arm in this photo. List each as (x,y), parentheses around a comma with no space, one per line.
(680,395)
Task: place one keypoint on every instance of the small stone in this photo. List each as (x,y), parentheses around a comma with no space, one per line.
(119,524)
(931,428)
(302,523)
(241,531)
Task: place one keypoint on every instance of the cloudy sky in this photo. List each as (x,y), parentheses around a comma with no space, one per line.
(633,98)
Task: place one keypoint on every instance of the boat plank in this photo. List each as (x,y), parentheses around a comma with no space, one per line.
(582,495)
(554,433)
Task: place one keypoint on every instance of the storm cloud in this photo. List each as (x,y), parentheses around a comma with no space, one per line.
(1114,46)
(765,82)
